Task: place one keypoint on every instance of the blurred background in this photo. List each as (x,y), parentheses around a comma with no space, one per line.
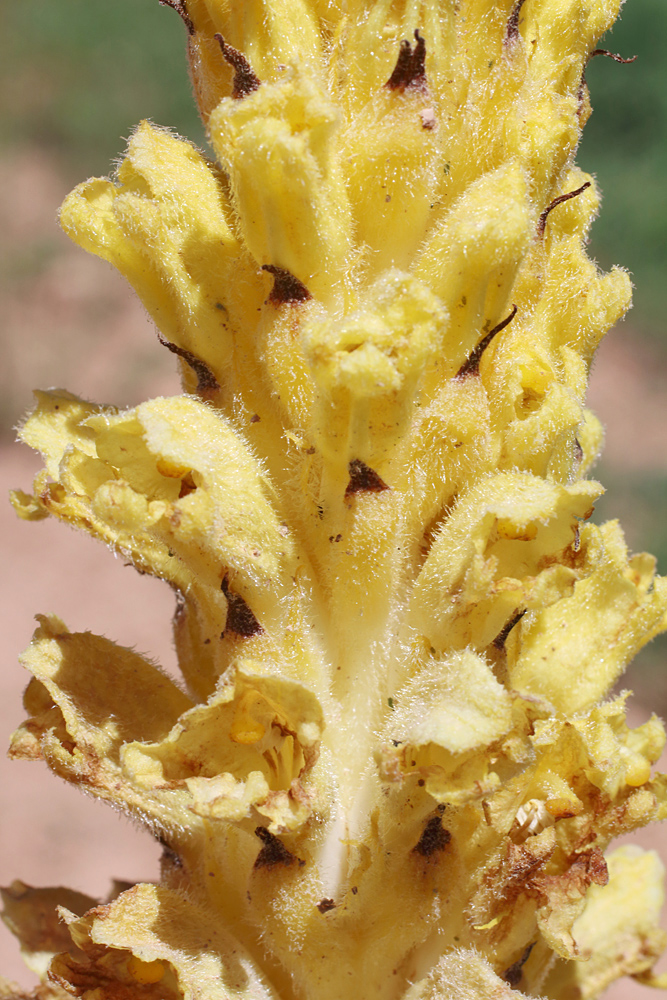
(75,77)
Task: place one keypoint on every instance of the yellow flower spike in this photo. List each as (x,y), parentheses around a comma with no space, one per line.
(165,225)
(397,767)
(277,145)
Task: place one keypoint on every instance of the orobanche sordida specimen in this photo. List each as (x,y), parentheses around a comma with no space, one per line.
(393,766)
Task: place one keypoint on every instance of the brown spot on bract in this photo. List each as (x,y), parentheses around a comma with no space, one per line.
(501,638)
(240,619)
(518,872)
(512,30)
(170,858)
(434,838)
(410,69)
(541,225)
(181,8)
(325,905)
(512,975)
(611,55)
(286,288)
(273,852)
(363,479)
(245,80)
(206,380)
(188,486)
(589,868)
(471,365)
(596,867)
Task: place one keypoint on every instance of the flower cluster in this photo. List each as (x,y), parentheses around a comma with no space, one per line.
(392,769)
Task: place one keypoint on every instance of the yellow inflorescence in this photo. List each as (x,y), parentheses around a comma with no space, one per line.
(397,767)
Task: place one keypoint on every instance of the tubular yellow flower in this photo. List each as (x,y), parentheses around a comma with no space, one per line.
(396,770)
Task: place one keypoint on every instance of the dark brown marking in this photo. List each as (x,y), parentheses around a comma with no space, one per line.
(611,55)
(188,486)
(363,479)
(541,225)
(325,905)
(181,8)
(596,867)
(240,619)
(169,856)
(434,838)
(273,852)
(245,80)
(512,30)
(501,638)
(286,288)
(410,69)
(206,380)
(471,365)
(581,93)
(512,976)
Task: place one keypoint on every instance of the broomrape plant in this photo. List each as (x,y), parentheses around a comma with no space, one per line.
(393,766)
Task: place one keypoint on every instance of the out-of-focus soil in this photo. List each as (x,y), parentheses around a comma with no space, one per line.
(69,320)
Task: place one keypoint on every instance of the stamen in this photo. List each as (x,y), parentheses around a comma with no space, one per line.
(410,69)
(558,201)
(286,288)
(206,380)
(363,479)
(180,6)
(471,365)
(245,80)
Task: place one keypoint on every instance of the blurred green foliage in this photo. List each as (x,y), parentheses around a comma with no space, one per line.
(77,75)
(625,146)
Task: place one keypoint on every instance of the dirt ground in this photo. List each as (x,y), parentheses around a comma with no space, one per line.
(69,320)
